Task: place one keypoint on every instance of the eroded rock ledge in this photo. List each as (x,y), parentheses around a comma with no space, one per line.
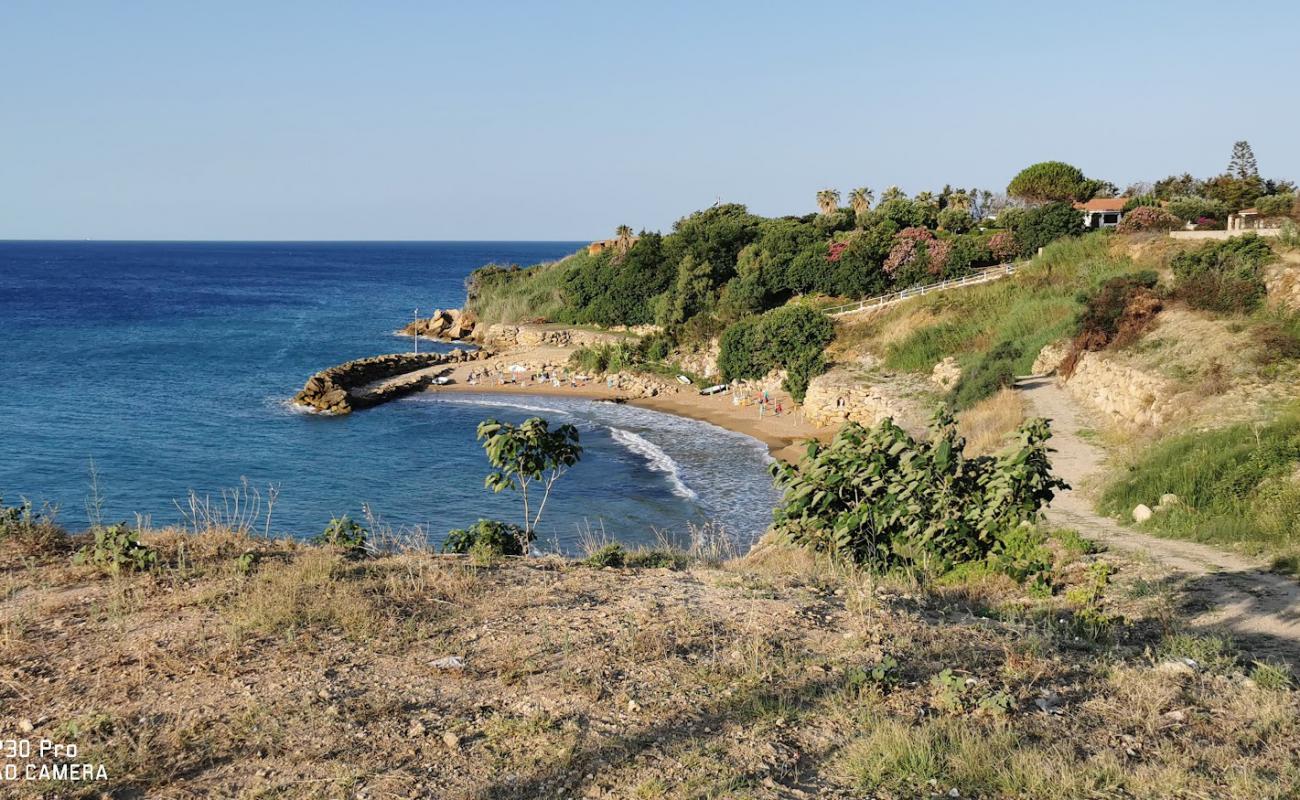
(366,382)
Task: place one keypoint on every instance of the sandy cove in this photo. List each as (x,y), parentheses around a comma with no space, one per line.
(784,435)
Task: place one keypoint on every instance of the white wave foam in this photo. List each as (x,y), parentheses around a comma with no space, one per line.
(659,461)
(474,401)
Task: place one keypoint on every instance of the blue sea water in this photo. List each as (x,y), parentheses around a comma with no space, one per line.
(170,366)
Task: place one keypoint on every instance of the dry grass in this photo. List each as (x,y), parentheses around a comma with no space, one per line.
(987,425)
(777,675)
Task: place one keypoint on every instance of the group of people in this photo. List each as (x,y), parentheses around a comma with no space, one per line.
(524,379)
(761,399)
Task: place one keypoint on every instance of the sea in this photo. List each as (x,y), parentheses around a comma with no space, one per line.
(140,381)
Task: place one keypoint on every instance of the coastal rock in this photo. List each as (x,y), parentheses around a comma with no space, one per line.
(843,394)
(337,390)
(946,374)
(1050,357)
(1141,513)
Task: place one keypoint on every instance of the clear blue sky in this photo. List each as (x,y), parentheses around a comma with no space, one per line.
(423,120)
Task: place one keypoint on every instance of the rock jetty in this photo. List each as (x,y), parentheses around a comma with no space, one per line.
(350,386)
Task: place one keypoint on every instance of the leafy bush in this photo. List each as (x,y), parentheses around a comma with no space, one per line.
(488,535)
(880,498)
(1276,205)
(610,555)
(1039,227)
(1190,208)
(1223,276)
(605,358)
(1003,246)
(956,220)
(1116,313)
(116,548)
(343,532)
(790,338)
(994,370)
(1148,218)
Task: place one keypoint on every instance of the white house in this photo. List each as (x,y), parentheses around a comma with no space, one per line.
(1102,212)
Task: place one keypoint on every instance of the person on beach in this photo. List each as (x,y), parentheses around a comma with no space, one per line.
(778,408)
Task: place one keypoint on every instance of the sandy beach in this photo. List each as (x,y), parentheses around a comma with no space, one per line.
(784,435)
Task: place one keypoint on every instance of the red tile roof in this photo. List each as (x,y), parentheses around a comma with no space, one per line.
(1103,204)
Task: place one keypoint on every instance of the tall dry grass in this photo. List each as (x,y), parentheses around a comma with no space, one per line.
(988,424)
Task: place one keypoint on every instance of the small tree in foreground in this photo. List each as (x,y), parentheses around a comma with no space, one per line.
(880,498)
(524,455)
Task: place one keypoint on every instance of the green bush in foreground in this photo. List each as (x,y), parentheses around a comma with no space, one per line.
(486,535)
(880,498)
(343,532)
(117,548)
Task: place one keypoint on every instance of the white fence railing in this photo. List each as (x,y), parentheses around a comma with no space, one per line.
(871,303)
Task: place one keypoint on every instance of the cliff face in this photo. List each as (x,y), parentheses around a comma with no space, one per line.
(844,394)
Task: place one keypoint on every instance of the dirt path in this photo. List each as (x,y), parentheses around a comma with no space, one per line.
(1218,589)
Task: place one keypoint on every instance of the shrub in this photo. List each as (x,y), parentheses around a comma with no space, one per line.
(343,532)
(116,548)
(1003,246)
(31,532)
(604,358)
(994,370)
(880,498)
(790,338)
(1148,218)
(1224,276)
(1116,313)
(1275,205)
(956,220)
(610,555)
(1039,227)
(487,535)
(1190,208)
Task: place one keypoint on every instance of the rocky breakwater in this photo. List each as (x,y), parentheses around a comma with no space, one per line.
(451,324)
(370,381)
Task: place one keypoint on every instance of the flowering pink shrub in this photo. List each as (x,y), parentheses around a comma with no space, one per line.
(1148,218)
(836,250)
(907,247)
(939,251)
(1003,246)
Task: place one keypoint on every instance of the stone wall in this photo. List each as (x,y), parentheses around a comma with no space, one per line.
(1126,397)
(839,395)
(338,390)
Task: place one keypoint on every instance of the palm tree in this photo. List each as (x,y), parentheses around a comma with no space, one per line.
(927,198)
(892,193)
(623,239)
(828,200)
(860,200)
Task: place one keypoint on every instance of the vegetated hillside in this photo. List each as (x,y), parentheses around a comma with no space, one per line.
(215,664)
(1186,333)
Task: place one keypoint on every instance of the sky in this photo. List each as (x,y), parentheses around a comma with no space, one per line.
(561,120)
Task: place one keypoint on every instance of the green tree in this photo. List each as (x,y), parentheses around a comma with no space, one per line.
(1049,181)
(791,338)
(526,454)
(1040,226)
(828,200)
(691,293)
(1242,164)
(860,200)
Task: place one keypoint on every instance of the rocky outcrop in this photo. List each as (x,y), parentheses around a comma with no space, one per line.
(506,336)
(1283,282)
(703,360)
(451,324)
(840,395)
(344,388)
(946,374)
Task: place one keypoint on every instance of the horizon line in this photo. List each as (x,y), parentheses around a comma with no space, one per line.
(287,241)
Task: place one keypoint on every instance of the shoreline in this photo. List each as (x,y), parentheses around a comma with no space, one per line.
(784,436)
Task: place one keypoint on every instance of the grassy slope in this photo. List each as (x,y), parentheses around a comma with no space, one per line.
(532,293)
(311,677)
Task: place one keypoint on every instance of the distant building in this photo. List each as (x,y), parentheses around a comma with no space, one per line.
(1249,219)
(1102,212)
(597,247)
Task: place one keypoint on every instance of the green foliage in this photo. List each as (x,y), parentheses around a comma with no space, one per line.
(1271,677)
(343,532)
(791,338)
(1211,653)
(117,548)
(880,498)
(524,454)
(1074,543)
(609,289)
(956,220)
(28,530)
(714,236)
(605,358)
(990,372)
(1234,484)
(610,555)
(1190,208)
(247,561)
(487,535)
(1040,226)
(1224,276)
(904,213)
(1117,311)
(1051,181)
(1275,205)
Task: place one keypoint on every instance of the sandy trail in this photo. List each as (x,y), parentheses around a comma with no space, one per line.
(1219,589)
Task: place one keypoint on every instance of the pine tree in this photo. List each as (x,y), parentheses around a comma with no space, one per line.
(1243,163)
